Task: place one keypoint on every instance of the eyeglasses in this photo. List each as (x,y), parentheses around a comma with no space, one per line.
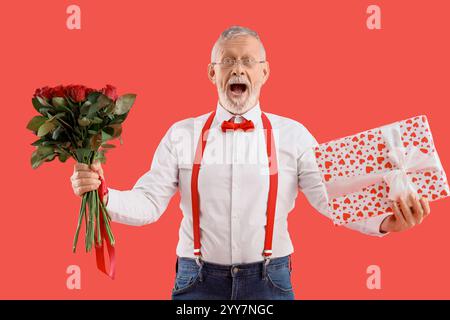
(231,62)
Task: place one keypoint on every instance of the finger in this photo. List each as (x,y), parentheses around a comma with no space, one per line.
(426,206)
(417,208)
(85,174)
(398,214)
(81,167)
(97,167)
(406,211)
(82,190)
(85,182)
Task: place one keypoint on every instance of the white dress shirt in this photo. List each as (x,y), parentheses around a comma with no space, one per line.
(233,187)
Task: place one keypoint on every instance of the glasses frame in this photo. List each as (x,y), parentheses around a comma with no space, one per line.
(254,62)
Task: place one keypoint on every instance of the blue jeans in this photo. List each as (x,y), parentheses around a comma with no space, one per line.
(250,281)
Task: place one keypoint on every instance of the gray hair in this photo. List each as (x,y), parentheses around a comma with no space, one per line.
(235,31)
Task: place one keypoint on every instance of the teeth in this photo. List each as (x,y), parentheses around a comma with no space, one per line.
(237,81)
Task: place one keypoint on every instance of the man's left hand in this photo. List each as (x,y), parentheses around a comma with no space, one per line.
(405,217)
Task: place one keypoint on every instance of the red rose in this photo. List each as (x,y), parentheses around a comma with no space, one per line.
(58,91)
(76,92)
(44,92)
(110,92)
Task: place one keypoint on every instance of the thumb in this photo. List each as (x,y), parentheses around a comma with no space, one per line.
(97,167)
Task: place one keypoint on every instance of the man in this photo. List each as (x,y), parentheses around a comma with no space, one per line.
(233,239)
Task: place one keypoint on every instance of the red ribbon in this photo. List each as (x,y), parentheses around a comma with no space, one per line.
(99,249)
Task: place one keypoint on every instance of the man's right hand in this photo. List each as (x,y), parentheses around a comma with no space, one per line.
(85,178)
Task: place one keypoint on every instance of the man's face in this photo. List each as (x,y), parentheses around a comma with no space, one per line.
(239,86)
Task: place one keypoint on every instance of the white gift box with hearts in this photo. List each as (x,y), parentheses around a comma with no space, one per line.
(365,172)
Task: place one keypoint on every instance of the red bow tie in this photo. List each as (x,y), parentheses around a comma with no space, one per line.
(244,125)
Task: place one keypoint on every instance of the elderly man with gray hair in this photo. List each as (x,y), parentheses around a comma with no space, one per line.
(238,170)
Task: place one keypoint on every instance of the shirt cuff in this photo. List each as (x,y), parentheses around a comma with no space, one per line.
(113,205)
(373,224)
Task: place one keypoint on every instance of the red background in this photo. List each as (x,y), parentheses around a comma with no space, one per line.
(328,71)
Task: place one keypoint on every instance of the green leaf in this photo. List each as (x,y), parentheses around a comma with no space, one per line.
(119,118)
(124,103)
(97,120)
(64,109)
(95,141)
(92,97)
(45,128)
(41,154)
(36,104)
(45,111)
(85,107)
(35,163)
(117,130)
(100,156)
(102,101)
(36,122)
(109,130)
(50,143)
(50,157)
(63,157)
(106,136)
(57,132)
(38,142)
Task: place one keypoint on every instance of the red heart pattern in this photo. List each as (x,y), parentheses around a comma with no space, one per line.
(367,153)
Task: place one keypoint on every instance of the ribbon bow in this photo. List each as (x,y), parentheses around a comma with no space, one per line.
(231,125)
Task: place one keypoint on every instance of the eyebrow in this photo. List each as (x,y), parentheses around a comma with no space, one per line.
(243,57)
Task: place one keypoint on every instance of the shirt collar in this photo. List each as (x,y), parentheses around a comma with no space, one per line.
(253,114)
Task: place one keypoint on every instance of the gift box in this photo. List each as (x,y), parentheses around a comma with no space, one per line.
(365,172)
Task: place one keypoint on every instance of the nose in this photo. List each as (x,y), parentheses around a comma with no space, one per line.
(238,69)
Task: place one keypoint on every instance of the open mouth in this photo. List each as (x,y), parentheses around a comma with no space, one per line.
(238,88)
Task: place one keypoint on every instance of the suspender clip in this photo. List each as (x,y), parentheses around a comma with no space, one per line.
(199,261)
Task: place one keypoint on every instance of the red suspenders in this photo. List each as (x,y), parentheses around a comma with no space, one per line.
(273,187)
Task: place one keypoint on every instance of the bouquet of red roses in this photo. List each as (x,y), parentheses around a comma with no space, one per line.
(78,122)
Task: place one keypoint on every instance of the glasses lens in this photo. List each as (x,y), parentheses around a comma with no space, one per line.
(228,62)
(248,62)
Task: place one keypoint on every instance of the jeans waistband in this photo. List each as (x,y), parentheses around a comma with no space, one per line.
(186,264)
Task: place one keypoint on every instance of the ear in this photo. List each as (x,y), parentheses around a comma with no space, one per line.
(211,73)
(266,71)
